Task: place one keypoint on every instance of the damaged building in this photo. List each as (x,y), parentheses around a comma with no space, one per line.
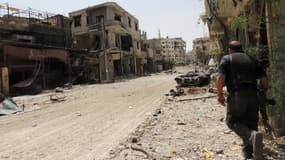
(167,52)
(204,49)
(33,53)
(155,48)
(40,50)
(148,54)
(112,35)
(174,49)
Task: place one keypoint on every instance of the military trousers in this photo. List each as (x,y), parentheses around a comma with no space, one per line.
(242,116)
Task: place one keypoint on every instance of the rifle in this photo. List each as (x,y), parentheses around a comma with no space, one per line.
(263,101)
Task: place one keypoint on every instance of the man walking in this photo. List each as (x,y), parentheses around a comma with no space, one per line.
(239,72)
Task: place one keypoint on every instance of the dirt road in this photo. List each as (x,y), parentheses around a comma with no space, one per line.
(92,120)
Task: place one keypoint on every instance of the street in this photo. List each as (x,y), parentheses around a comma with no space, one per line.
(127,120)
(91,120)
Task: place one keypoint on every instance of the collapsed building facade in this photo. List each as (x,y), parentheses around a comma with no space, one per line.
(112,35)
(32,50)
(259,27)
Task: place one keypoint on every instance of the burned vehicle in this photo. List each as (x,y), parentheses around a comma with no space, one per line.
(193,78)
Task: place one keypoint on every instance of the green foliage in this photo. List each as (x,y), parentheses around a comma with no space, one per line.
(260,53)
(253,51)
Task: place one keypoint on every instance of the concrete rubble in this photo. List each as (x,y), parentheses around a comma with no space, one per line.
(187,130)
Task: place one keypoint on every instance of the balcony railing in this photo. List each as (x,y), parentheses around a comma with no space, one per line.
(95,27)
(98,26)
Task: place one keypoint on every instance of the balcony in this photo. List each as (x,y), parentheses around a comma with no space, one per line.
(95,27)
(113,25)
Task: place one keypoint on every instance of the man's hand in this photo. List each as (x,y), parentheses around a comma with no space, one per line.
(222,100)
(220,84)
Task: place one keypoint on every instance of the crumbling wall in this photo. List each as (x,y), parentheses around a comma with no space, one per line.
(31,69)
(35,31)
(107,71)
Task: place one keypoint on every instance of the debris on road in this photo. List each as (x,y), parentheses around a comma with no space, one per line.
(196,90)
(141,150)
(59,90)
(8,106)
(183,132)
(197,98)
(57,98)
(208,154)
(213,90)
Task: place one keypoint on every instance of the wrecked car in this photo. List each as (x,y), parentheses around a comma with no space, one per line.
(193,78)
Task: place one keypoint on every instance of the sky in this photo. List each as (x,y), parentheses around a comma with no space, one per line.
(174,18)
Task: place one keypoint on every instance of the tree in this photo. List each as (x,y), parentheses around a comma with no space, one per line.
(225,39)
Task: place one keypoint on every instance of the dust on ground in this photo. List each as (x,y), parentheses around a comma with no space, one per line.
(191,127)
(82,123)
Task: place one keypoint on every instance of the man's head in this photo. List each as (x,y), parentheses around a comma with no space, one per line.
(235,46)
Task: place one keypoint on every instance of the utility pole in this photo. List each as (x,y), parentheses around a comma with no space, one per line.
(104,50)
(8,9)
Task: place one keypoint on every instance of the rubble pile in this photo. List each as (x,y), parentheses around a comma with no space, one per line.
(191,126)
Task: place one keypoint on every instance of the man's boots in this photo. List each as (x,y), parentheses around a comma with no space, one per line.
(256,139)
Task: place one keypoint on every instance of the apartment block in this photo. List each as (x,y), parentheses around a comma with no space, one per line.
(174,49)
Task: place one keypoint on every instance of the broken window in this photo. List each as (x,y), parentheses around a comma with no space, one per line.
(130,22)
(118,17)
(144,47)
(100,19)
(96,42)
(127,43)
(77,21)
(87,20)
(138,45)
(136,27)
